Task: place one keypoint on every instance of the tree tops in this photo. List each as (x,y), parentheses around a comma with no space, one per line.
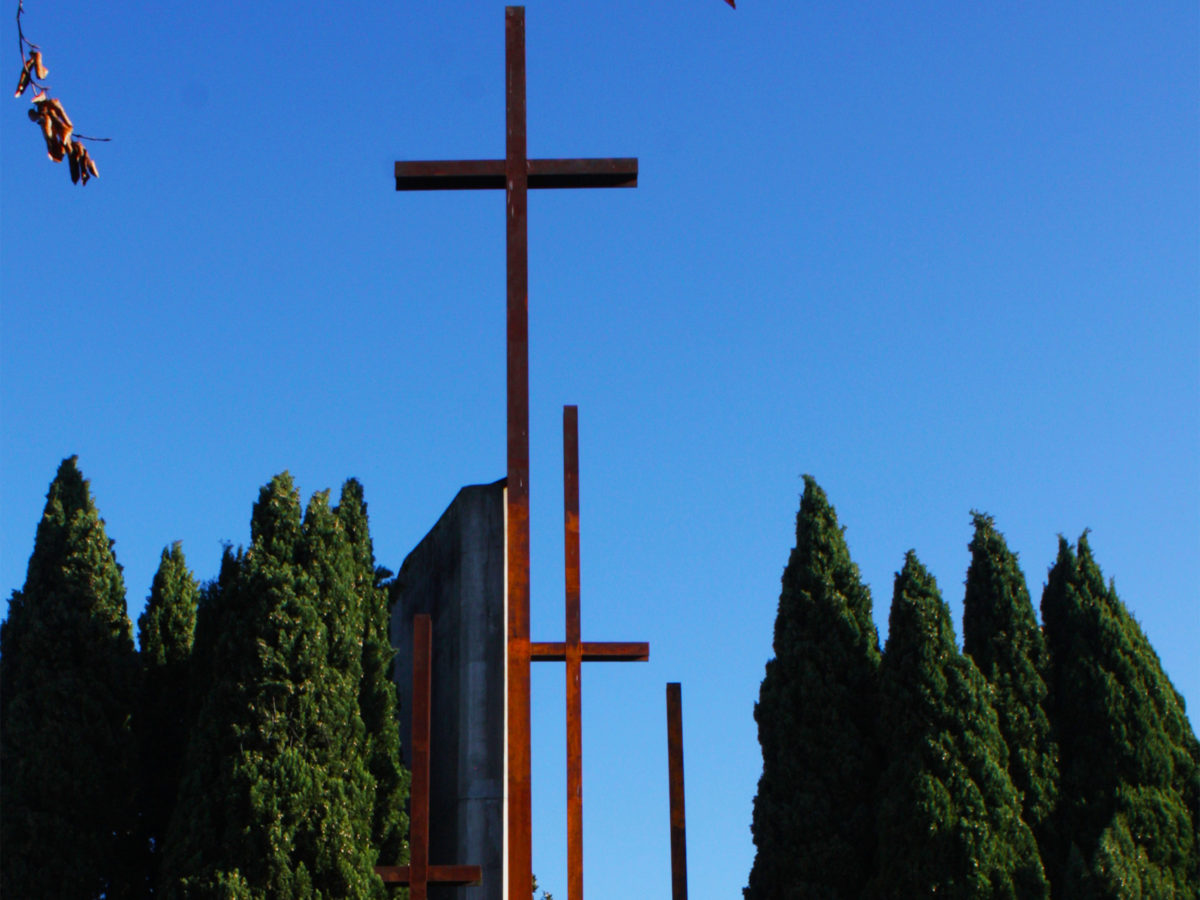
(166,630)
(279,800)
(813,823)
(67,682)
(1130,801)
(378,702)
(1038,762)
(1001,634)
(250,749)
(949,819)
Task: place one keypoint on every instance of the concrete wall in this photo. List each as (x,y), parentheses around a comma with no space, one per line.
(456,575)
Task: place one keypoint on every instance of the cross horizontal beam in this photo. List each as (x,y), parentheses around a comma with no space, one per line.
(475,174)
(593,651)
(458,876)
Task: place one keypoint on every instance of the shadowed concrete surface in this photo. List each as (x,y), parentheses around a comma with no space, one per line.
(456,576)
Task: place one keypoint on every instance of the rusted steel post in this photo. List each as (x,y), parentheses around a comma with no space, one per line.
(418,840)
(520,800)
(675,766)
(419,873)
(574,655)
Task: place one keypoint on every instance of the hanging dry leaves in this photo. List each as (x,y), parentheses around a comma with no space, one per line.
(49,115)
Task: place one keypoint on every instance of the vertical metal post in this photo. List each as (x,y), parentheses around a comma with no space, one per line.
(574,655)
(520,841)
(418,843)
(678,819)
(419,873)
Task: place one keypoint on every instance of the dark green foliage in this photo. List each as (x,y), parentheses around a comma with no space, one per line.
(377,698)
(814,811)
(949,822)
(67,682)
(1001,634)
(1127,821)
(278,797)
(215,597)
(166,630)
(167,626)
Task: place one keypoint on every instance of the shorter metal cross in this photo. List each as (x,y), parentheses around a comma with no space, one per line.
(575,651)
(419,873)
(675,769)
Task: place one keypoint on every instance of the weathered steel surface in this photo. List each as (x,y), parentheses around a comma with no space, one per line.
(520,791)
(418,874)
(484,174)
(678,819)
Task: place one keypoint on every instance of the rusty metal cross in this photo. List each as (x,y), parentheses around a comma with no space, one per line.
(418,874)
(516,173)
(575,651)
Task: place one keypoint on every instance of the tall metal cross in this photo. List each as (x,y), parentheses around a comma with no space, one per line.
(418,874)
(516,173)
(575,651)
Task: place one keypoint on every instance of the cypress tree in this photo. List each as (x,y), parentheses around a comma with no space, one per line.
(949,818)
(222,663)
(1126,821)
(67,681)
(215,600)
(279,795)
(1001,635)
(166,630)
(814,810)
(345,854)
(377,698)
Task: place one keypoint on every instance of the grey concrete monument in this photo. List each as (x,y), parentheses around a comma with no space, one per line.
(456,575)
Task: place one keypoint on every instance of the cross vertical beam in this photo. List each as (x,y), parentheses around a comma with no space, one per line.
(574,654)
(520,793)
(419,873)
(418,829)
(675,769)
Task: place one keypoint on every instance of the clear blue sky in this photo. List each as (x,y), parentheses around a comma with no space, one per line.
(940,256)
